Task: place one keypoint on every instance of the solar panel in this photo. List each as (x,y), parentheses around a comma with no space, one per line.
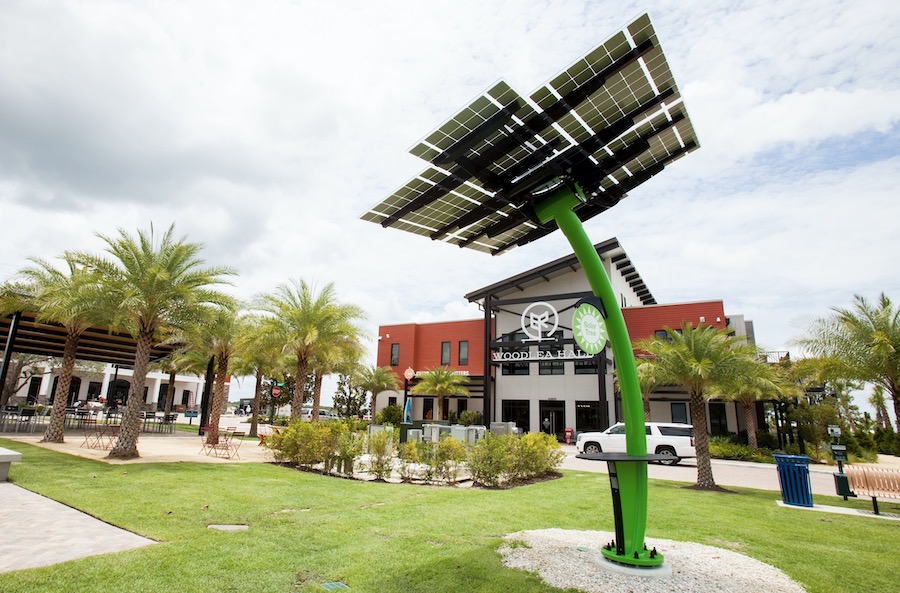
(609,122)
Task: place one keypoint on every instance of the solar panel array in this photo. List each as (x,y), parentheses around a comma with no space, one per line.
(607,123)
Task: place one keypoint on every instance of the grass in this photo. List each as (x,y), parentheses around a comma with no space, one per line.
(307,529)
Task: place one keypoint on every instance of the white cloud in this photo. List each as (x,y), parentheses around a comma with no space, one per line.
(265,130)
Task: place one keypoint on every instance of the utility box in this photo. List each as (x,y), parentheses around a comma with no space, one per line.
(842,485)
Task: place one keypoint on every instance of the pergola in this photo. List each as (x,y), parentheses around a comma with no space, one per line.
(22,333)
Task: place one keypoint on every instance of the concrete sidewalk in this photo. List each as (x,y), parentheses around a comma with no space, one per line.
(38,531)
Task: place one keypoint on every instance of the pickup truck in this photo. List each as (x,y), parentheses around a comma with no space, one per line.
(674,440)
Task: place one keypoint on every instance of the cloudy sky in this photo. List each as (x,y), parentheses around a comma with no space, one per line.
(265,129)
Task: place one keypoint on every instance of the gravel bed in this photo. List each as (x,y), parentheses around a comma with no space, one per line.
(571,559)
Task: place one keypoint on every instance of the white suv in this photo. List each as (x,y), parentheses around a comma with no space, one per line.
(306,414)
(674,440)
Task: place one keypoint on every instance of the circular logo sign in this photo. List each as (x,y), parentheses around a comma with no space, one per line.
(539,321)
(589,328)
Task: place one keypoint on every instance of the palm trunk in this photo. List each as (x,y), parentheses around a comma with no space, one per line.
(372,411)
(646,398)
(705,479)
(440,407)
(254,420)
(299,387)
(56,430)
(750,421)
(126,444)
(15,371)
(215,413)
(317,395)
(170,396)
(895,395)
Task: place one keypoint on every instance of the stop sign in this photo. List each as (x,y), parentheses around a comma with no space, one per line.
(276,391)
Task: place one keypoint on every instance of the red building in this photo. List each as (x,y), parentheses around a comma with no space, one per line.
(539,378)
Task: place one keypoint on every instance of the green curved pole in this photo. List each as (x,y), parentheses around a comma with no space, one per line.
(632,476)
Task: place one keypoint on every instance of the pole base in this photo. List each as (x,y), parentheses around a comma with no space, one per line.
(643,559)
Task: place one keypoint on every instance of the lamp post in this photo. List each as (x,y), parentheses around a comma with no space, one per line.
(408,375)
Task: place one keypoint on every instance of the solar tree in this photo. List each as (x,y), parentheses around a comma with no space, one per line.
(506,171)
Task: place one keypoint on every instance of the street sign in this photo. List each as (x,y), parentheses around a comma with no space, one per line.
(409,374)
(834,430)
(839,452)
(276,391)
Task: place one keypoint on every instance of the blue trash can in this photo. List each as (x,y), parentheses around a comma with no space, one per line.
(793,476)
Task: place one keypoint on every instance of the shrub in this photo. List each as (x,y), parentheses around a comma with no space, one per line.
(392,414)
(726,448)
(409,458)
(301,443)
(448,456)
(535,454)
(470,417)
(425,451)
(381,454)
(350,446)
(887,441)
(490,460)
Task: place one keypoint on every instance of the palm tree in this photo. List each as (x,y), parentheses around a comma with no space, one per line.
(375,379)
(876,399)
(862,343)
(216,335)
(67,297)
(152,287)
(441,382)
(256,354)
(696,360)
(307,322)
(766,383)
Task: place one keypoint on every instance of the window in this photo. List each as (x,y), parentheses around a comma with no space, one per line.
(395,355)
(428,408)
(392,400)
(587,366)
(462,404)
(445,353)
(661,334)
(587,416)
(463,353)
(551,367)
(94,388)
(679,412)
(516,410)
(676,431)
(517,345)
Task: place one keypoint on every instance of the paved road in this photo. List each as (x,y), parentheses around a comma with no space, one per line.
(726,473)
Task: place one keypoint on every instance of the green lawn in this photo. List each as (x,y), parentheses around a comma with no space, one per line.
(307,529)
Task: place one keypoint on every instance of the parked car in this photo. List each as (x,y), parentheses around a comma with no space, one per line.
(673,440)
(306,414)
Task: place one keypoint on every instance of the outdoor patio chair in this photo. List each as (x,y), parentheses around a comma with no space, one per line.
(209,433)
(235,443)
(108,435)
(26,419)
(169,422)
(92,434)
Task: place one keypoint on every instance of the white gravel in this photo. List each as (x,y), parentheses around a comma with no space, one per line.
(565,558)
